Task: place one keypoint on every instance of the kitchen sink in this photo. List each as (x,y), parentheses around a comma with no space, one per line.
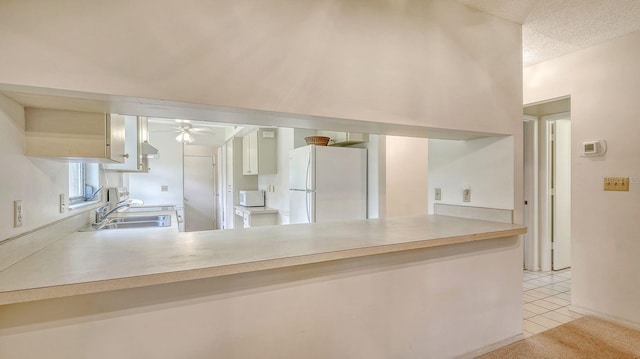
(160,218)
(125,225)
(133,209)
(132,222)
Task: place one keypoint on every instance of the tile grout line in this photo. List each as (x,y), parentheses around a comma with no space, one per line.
(529,278)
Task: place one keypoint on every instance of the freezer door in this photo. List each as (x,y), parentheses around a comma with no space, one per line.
(301,209)
(301,168)
(341,184)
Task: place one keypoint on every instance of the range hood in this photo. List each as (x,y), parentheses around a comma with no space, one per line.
(148,151)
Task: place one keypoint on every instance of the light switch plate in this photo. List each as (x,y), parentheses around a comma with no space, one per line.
(438,194)
(466,194)
(616,184)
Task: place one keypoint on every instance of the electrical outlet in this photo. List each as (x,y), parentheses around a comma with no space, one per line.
(438,194)
(17,213)
(63,203)
(164,188)
(466,194)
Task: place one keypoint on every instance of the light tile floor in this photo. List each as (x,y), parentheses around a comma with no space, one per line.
(546,296)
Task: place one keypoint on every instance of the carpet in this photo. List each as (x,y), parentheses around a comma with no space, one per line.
(587,337)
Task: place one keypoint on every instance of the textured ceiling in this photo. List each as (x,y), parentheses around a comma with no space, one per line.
(552,28)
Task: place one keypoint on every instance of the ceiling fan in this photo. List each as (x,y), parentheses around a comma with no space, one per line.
(187,133)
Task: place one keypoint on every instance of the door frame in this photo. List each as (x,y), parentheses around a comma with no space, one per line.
(531,245)
(538,190)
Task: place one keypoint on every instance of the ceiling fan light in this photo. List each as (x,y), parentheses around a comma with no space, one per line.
(185,137)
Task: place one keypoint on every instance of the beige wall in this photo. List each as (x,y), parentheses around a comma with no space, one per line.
(429,63)
(604,83)
(406,176)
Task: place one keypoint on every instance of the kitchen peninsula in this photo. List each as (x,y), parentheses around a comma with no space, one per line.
(349,289)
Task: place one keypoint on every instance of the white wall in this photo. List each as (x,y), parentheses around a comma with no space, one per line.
(165,170)
(299,134)
(406,176)
(279,198)
(603,82)
(486,165)
(47,179)
(37,182)
(376,175)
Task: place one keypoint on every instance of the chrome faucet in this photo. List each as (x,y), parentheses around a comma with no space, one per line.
(102,213)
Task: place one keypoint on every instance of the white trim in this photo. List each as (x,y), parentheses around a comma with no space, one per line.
(617,320)
(557,116)
(554,99)
(531,192)
(492,347)
(544,197)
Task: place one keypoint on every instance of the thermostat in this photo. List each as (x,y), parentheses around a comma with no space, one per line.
(593,148)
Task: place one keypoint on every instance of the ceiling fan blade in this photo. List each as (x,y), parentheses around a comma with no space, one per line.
(202,129)
(174,130)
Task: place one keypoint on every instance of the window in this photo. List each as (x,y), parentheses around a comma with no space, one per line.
(76,182)
(83,181)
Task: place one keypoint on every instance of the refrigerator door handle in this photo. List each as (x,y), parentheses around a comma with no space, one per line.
(306,176)
(306,200)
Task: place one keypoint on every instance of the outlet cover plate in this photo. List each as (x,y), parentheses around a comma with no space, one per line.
(17,213)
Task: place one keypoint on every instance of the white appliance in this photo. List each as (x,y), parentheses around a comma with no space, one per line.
(252,198)
(327,184)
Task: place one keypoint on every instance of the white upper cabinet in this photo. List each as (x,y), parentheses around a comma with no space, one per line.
(74,135)
(259,152)
(134,160)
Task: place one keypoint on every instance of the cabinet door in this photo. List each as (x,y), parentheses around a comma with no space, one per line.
(65,134)
(250,154)
(253,153)
(246,165)
(266,151)
(131,144)
(115,147)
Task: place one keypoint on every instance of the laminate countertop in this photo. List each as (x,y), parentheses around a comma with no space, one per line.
(91,262)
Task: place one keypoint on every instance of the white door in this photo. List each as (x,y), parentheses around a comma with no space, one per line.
(561,231)
(199,193)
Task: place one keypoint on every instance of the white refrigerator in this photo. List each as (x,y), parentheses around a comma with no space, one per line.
(327,184)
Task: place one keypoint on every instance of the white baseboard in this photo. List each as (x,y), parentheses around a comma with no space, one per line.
(492,347)
(617,320)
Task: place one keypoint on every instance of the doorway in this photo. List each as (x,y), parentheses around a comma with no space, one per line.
(199,188)
(547,185)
